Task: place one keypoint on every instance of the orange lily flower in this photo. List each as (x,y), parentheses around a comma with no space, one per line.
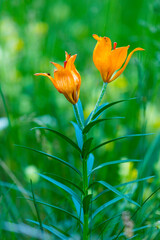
(108,60)
(66,79)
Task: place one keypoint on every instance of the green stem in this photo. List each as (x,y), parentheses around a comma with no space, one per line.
(85,176)
(78,118)
(85,189)
(98,102)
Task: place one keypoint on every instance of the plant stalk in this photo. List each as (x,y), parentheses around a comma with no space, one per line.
(78,118)
(85,179)
(85,189)
(98,101)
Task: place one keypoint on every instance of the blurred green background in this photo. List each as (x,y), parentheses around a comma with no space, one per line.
(35,32)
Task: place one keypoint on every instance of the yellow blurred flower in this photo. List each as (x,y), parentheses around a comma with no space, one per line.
(127,171)
(19,45)
(122,83)
(41,28)
(31,173)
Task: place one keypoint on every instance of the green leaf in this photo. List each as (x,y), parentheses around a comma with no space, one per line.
(79,135)
(61,135)
(52,229)
(55,207)
(134,230)
(51,156)
(119,138)
(114,162)
(122,185)
(134,181)
(61,185)
(86,202)
(100,225)
(86,147)
(66,180)
(97,114)
(113,189)
(99,107)
(79,209)
(101,208)
(93,123)
(90,162)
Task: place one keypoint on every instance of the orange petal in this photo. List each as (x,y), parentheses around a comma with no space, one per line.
(65,84)
(49,76)
(67,56)
(70,62)
(58,66)
(101,57)
(118,56)
(124,66)
(95,36)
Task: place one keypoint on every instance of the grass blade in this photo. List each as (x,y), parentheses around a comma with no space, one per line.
(52,230)
(37,211)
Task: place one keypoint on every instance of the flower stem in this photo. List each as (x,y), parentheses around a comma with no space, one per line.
(78,117)
(85,189)
(98,101)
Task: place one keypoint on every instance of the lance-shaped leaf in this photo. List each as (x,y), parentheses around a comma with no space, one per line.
(79,135)
(119,138)
(86,202)
(52,229)
(101,208)
(86,147)
(99,107)
(66,180)
(79,209)
(55,207)
(122,185)
(113,189)
(60,135)
(90,162)
(62,186)
(114,162)
(53,157)
(93,123)
(106,106)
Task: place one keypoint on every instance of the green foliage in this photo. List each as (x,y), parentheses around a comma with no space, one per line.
(33,33)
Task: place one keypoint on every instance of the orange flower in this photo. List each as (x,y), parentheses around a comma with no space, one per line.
(66,79)
(108,60)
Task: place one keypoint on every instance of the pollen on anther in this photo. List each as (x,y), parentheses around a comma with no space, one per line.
(114,45)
